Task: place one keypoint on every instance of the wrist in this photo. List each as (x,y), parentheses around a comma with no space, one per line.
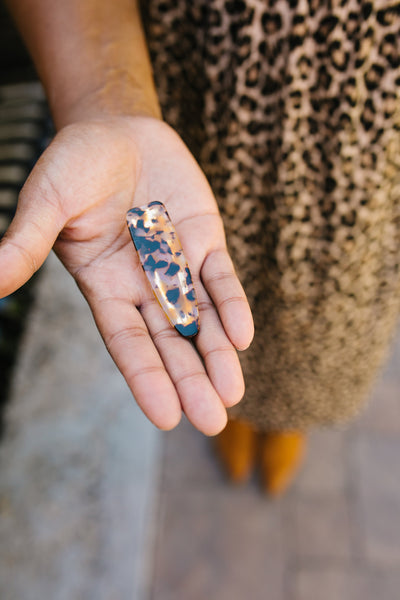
(117,95)
(90,55)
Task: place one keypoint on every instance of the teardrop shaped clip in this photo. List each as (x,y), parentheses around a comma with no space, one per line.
(161,255)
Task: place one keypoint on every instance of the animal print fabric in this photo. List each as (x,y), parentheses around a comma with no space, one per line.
(292,109)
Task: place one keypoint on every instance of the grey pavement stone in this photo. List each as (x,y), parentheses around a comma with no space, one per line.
(79,463)
(343,582)
(382,414)
(188,459)
(320,528)
(324,468)
(215,543)
(371,585)
(315,583)
(377,487)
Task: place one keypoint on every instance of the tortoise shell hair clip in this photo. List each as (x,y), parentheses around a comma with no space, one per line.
(161,255)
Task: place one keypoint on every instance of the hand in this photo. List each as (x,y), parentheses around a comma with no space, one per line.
(76,199)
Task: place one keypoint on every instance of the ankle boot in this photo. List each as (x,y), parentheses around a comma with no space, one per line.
(236,447)
(281,454)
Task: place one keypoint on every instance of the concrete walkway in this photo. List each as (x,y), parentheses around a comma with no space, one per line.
(96,504)
(78,463)
(334,536)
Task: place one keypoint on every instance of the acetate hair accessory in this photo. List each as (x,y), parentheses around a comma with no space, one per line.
(161,255)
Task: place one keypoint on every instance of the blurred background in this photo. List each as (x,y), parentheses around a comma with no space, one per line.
(95,503)
(25,128)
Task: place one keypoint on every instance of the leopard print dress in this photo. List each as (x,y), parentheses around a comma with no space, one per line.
(292,109)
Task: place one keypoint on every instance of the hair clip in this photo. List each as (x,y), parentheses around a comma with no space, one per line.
(161,255)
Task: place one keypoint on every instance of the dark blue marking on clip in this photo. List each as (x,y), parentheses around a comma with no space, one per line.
(161,264)
(136,211)
(172,270)
(191,296)
(140,225)
(149,264)
(188,277)
(188,330)
(165,249)
(145,245)
(173,295)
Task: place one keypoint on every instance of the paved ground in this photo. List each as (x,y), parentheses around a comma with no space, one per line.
(335,536)
(78,463)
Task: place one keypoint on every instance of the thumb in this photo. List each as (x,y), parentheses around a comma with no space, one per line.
(31,234)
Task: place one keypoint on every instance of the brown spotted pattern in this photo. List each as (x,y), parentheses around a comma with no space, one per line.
(292,108)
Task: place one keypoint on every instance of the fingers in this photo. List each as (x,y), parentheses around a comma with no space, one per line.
(220,281)
(199,398)
(127,340)
(30,237)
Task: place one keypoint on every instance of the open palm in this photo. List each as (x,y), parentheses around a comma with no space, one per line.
(76,199)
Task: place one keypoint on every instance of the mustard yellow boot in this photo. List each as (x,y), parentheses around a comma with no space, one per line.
(236,448)
(281,454)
